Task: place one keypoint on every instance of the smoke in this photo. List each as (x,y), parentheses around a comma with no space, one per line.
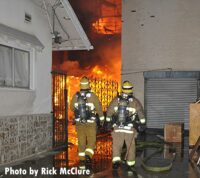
(78,63)
(86,11)
(73,68)
(106,55)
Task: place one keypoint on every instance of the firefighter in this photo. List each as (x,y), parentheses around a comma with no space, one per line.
(86,107)
(122,113)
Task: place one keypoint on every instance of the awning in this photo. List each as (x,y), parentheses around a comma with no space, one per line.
(66,30)
(70,29)
(23,37)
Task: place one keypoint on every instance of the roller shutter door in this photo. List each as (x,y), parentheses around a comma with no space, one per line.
(167,100)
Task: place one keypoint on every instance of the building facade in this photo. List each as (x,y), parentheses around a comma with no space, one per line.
(25,80)
(159,36)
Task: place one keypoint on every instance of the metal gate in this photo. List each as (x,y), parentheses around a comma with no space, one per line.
(59,104)
(106,90)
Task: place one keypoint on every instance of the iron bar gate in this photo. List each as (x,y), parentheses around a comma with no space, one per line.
(59,105)
(106,90)
(64,131)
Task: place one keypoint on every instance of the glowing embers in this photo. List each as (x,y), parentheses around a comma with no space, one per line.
(108,25)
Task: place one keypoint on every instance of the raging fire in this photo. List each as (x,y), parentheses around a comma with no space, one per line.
(103,68)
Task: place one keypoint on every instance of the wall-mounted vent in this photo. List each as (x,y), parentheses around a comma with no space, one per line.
(28,18)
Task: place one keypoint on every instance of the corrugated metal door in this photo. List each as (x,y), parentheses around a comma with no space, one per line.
(168,99)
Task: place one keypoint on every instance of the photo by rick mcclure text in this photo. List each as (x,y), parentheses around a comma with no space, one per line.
(46,171)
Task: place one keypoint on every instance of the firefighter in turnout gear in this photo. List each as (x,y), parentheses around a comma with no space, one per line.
(123,112)
(86,107)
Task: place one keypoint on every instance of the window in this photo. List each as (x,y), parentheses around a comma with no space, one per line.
(14,67)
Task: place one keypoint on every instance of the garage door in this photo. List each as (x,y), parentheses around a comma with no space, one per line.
(167,100)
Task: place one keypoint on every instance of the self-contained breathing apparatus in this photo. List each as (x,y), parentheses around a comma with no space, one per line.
(83,112)
(122,112)
(123,115)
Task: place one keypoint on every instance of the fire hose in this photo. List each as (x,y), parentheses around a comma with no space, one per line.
(159,146)
(159,149)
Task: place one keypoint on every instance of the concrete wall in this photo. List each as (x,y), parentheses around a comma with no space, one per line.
(159,34)
(15,101)
(22,136)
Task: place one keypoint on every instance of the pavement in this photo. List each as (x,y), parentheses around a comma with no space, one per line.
(58,163)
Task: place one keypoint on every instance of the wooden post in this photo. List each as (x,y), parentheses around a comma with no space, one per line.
(194,150)
(194,122)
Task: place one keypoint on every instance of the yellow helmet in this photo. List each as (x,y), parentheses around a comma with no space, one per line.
(84,83)
(127,87)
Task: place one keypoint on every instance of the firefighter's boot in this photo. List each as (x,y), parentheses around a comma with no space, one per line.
(88,160)
(116,164)
(81,164)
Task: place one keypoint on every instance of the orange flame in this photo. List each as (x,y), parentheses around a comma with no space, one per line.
(100,72)
(109,21)
(101,90)
(108,26)
(95,72)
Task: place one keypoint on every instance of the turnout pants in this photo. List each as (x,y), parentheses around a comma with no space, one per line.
(86,139)
(118,140)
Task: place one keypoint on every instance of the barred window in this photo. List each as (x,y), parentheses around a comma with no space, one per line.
(14,67)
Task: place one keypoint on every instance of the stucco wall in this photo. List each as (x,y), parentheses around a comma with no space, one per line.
(14,102)
(159,34)
(22,136)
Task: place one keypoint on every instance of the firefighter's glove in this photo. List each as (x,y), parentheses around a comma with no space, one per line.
(130,125)
(74,122)
(108,124)
(108,119)
(141,128)
(102,119)
(143,121)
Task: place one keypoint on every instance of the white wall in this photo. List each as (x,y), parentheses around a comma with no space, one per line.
(14,101)
(171,39)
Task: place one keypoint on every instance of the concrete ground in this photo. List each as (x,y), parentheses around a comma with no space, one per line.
(102,167)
